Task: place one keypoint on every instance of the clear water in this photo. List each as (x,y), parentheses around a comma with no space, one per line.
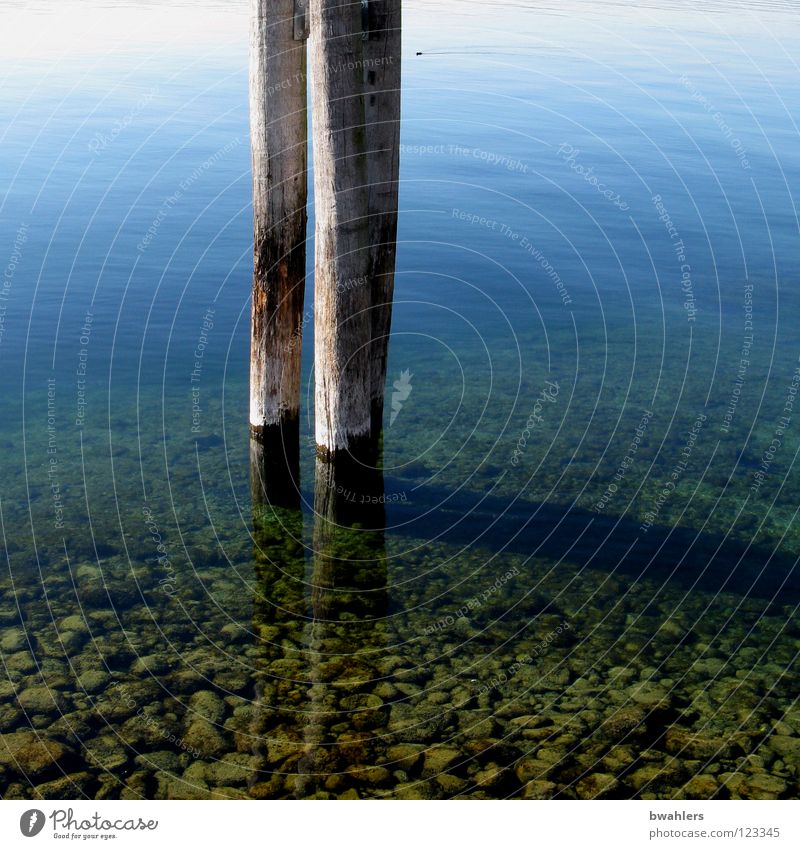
(591,592)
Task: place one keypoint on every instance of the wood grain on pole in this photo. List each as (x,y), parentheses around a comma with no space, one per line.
(342,320)
(382,77)
(279,139)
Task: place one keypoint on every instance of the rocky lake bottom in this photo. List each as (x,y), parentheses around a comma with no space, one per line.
(261,679)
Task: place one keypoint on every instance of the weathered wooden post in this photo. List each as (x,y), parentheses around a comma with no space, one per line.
(382,77)
(279,139)
(342,320)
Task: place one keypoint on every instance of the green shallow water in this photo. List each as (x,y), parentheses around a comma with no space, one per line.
(499,637)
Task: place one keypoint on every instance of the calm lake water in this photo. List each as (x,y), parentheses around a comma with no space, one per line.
(587,584)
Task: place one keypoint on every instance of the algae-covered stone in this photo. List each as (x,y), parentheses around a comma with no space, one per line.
(649,695)
(701,787)
(31,754)
(762,786)
(12,640)
(373,776)
(106,751)
(533,770)
(94,681)
(439,759)
(41,700)
(451,784)
(493,777)
(407,756)
(626,722)
(73,623)
(74,786)
(206,739)
(787,747)
(656,777)
(153,664)
(695,747)
(206,705)
(540,790)
(596,786)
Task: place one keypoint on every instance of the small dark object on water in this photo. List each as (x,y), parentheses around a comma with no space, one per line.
(419,53)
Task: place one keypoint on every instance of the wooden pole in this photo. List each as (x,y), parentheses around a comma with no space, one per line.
(382,77)
(279,139)
(342,320)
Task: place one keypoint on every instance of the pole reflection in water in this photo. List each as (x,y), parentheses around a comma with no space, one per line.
(320,616)
(275,467)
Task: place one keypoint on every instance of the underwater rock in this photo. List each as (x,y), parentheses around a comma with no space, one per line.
(206,705)
(657,776)
(533,770)
(539,790)
(649,695)
(439,759)
(106,751)
(152,664)
(206,739)
(41,700)
(701,787)
(762,786)
(32,754)
(170,786)
(165,761)
(74,786)
(12,640)
(73,623)
(21,662)
(451,784)
(681,742)
(787,747)
(596,786)
(373,776)
(10,717)
(406,756)
(93,681)
(233,770)
(496,779)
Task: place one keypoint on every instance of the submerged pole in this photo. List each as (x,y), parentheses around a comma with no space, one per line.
(382,77)
(342,320)
(279,139)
